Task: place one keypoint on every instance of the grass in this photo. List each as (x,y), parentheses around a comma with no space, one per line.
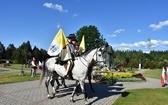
(14,77)
(155,73)
(18,66)
(143,97)
(3,70)
(156,96)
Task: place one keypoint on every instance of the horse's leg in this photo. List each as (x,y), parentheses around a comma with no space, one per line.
(55,78)
(52,85)
(77,89)
(74,91)
(82,84)
(58,84)
(63,82)
(90,83)
(47,84)
(89,74)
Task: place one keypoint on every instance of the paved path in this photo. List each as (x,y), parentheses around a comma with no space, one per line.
(28,93)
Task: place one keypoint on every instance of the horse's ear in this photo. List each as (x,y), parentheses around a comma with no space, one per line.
(100,49)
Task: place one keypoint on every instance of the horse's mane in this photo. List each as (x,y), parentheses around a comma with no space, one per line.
(86,52)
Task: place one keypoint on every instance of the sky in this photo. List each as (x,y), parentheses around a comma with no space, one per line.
(125,24)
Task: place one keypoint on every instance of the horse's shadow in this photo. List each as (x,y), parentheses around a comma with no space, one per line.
(101,91)
(104,91)
(62,91)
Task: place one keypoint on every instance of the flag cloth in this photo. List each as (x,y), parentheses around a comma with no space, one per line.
(163,78)
(82,44)
(58,43)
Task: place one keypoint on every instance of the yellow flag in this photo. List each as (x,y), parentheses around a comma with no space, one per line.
(58,43)
(82,44)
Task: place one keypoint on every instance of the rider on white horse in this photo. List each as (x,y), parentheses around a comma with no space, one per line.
(68,54)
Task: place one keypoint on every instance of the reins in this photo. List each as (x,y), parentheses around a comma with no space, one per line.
(87,60)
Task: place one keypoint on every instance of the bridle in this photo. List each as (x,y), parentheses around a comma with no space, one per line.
(93,62)
(97,56)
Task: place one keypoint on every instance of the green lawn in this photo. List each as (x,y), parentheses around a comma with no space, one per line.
(158,96)
(154,73)
(18,66)
(15,77)
(143,97)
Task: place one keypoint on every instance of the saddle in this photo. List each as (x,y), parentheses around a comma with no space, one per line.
(58,61)
(64,63)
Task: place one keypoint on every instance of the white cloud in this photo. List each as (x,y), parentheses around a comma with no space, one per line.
(140,45)
(119,31)
(75,15)
(165,43)
(159,26)
(113,35)
(55,6)
(139,30)
(58,25)
(116,32)
(155,42)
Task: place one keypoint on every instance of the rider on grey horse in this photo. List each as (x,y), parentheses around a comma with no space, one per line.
(68,54)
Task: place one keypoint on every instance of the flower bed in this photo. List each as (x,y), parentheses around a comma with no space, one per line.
(113,77)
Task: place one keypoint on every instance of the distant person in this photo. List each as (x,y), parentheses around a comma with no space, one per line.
(33,67)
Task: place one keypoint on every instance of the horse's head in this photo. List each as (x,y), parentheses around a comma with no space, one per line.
(97,58)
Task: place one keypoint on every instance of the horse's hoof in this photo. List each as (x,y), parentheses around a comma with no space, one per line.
(77,94)
(49,97)
(86,103)
(60,84)
(53,94)
(72,101)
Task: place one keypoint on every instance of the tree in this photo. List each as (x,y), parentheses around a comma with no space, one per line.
(9,51)
(17,56)
(43,55)
(2,51)
(93,38)
(36,53)
(23,53)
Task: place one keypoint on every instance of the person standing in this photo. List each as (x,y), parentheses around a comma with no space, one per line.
(33,67)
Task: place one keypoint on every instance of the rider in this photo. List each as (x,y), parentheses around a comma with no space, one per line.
(71,58)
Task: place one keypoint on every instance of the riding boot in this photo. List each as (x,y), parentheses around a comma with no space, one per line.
(68,69)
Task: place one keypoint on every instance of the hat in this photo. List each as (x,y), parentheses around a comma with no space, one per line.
(71,36)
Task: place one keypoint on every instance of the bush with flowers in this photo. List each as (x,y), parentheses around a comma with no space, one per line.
(112,77)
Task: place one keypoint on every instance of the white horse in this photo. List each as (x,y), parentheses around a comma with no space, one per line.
(79,71)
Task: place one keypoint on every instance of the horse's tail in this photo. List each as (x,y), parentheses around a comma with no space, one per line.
(42,73)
